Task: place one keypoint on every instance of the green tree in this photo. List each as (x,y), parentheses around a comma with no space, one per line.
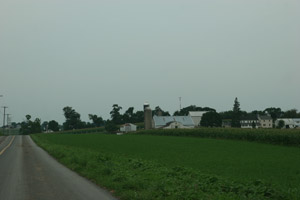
(280,124)
(253,125)
(138,116)
(211,119)
(226,114)
(29,127)
(185,111)
(159,112)
(274,112)
(291,114)
(45,126)
(97,121)
(73,120)
(116,117)
(53,125)
(236,114)
(110,126)
(128,116)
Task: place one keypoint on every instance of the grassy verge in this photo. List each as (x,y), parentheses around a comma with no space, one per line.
(271,136)
(111,162)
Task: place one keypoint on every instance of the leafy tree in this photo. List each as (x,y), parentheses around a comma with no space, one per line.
(257,112)
(253,125)
(97,121)
(274,112)
(291,114)
(28,117)
(128,116)
(29,127)
(159,112)
(280,124)
(138,117)
(116,117)
(36,126)
(211,119)
(185,111)
(110,126)
(45,126)
(236,114)
(53,125)
(73,120)
(226,114)
(14,125)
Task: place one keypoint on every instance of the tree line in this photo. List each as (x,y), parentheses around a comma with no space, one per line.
(210,119)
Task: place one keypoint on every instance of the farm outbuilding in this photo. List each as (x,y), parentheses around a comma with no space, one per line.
(289,122)
(128,128)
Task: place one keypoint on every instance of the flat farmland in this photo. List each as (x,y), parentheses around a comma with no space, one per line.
(233,161)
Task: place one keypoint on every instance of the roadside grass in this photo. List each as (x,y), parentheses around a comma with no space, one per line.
(152,167)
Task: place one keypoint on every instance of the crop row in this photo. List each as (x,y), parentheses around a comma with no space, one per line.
(83,131)
(272,136)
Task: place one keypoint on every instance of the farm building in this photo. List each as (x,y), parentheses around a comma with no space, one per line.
(289,122)
(168,122)
(257,121)
(226,123)
(250,122)
(128,128)
(265,121)
(196,116)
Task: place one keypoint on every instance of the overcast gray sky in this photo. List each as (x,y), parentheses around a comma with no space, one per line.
(90,54)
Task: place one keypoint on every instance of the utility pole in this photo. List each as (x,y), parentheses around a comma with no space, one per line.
(179,103)
(7,118)
(4,107)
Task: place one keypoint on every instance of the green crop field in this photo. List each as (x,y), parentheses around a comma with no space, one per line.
(250,170)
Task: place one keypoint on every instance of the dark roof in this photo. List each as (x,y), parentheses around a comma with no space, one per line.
(250,117)
(265,117)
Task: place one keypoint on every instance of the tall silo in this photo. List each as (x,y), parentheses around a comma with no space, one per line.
(147,116)
(146,104)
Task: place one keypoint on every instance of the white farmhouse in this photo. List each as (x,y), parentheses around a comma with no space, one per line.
(128,128)
(196,116)
(265,121)
(250,122)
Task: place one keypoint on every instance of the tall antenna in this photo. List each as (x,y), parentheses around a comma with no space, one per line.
(179,103)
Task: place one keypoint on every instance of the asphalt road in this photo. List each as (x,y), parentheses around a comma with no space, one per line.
(28,173)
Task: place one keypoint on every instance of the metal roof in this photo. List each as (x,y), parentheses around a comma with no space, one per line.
(197,113)
(163,120)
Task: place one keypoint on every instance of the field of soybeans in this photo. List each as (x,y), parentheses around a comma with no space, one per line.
(148,165)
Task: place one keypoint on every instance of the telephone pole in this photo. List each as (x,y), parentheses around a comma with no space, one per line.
(179,104)
(7,119)
(4,107)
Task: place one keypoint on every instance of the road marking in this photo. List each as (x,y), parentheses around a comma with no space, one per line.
(3,150)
